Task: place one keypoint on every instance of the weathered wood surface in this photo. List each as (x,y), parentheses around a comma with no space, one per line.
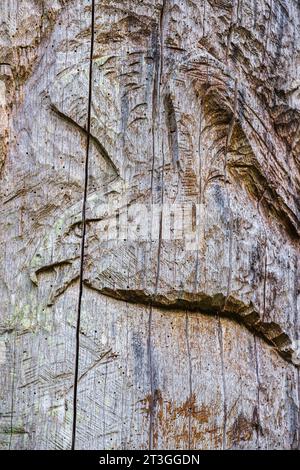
(188,341)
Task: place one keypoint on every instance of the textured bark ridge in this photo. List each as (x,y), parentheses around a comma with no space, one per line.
(150,171)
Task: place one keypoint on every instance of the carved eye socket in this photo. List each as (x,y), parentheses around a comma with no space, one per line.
(78,229)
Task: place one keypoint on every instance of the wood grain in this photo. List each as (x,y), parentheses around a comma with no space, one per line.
(149,240)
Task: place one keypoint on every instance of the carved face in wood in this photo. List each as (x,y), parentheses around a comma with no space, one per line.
(191,216)
(179,135)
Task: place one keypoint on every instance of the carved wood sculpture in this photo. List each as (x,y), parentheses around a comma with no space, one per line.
(150,224)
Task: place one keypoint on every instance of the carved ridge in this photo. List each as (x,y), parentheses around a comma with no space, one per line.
(218,304)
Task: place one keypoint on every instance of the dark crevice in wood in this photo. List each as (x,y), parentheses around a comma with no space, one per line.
(172,129)
(225,412)
(152,389)
(12,404)
(159,75)
(82,252)
(160,226)
(257,408)
(155,92)
(298,386)
(230,222)
(190,379)
(158,68)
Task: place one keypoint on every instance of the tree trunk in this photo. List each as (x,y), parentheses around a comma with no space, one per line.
(150,224)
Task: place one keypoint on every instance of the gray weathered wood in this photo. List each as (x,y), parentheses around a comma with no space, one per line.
(188,338)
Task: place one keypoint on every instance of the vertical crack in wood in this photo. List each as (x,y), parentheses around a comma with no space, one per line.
(190,380)
(265,254)
(199,199)
(298,377)
(258,427)
(161,38)
(296,323)
(104,410)
(125,439)
(158,61)
(158,88)
(265,281)
(12,404)
(160,223)
(151,402)
(221,346)
(83,235)
(155,111)
(228,139)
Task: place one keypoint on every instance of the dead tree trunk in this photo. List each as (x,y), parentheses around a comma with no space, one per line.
(149,224)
